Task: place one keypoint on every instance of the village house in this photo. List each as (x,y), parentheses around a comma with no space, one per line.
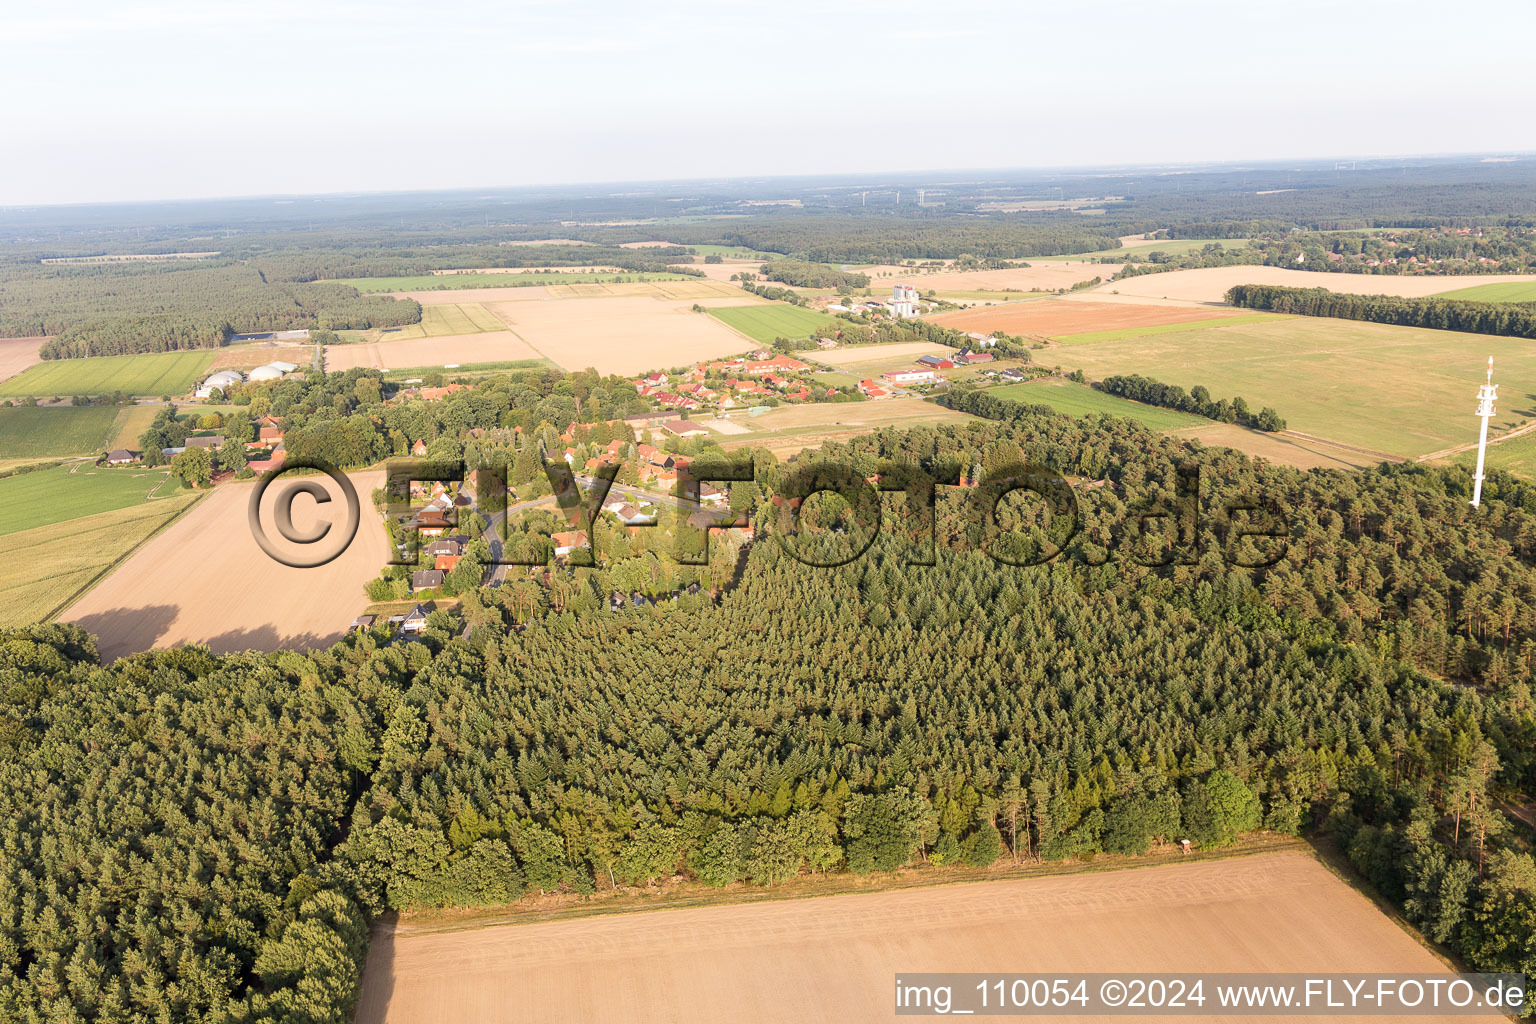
(568,541)
(426,579)
(122,457)
(415,621)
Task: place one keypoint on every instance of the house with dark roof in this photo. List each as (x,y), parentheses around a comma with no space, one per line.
(122,456)
(426,579)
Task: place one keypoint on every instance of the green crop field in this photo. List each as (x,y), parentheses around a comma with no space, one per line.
(43,567)
(1402,390)
(450,318)
(1509,291)
(1088,337)
(1080,400)
(34,431)
(48,496)
(466,370)
(152,373)
(515,279)
(774,320)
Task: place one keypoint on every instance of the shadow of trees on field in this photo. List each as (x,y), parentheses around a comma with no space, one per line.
(265,638)
(124,631)
(127,630)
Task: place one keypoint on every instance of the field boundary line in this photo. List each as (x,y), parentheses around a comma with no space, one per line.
(1383,456)
(90,584)
(698,895)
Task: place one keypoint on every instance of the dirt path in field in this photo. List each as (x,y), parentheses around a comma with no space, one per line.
(834,958)
(1446,453)
(1373,453)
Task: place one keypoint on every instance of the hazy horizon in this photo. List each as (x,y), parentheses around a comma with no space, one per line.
(183,101)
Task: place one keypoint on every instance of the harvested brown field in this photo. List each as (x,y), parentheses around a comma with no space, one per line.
(1042,276)
(1281,449)
(205,580)
(623,334)
(1051,318)
(250,357)
(462,349)
(1210,284)
(16,354)
(834,958)
(873,353)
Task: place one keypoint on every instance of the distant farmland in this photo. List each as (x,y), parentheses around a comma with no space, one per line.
(154,373)
(33,432)
(453,282)
(775,320)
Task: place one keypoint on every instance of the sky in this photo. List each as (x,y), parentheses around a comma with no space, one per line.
(110,100)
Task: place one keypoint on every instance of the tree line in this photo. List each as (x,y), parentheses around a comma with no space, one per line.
(1196,400)
(1510,319)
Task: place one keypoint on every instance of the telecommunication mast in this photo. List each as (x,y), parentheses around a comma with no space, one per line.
(1486,393)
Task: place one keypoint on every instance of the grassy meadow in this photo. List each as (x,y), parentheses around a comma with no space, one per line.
(1509,291)
(1089,337)
(1406,391)
(30,431)
(150,373)
(1080,400)
(774,320)
(48,496)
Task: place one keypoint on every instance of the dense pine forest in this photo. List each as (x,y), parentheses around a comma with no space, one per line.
(206,838)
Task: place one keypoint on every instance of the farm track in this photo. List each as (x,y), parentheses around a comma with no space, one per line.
(1446,453)
(1383,456)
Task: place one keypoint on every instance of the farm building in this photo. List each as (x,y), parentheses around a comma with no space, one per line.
(903,300)
(213,441)
(910,376)
(271,371)
(220,380)
(684,428)
(934,362)
(122,456)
